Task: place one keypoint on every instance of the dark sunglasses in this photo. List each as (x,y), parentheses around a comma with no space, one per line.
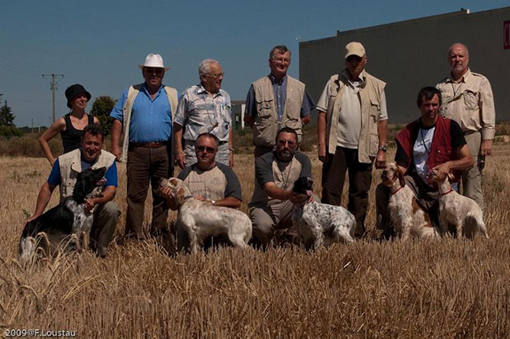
(154,70)
(205,148)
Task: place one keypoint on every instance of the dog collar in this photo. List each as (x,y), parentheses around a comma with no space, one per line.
(392,193)
(450,191)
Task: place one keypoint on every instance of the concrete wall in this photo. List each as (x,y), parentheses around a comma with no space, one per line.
(412,54)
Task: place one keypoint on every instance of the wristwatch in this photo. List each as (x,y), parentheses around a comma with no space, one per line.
(213,202)
(383,148)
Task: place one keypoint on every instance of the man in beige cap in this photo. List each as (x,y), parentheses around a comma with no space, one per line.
(144,114)
(467,99)
(352,126)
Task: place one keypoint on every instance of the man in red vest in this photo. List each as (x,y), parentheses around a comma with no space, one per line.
(431,142)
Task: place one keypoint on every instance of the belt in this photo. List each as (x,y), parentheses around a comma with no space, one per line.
(154,144)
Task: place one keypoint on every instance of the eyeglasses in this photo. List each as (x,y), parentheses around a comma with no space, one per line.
(205,148)
(216,76)
(290,142)
(157,71)
(282,60)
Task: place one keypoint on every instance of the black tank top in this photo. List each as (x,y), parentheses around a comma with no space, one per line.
(71,136)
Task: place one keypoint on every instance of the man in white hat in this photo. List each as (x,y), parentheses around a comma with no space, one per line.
(144,113)
(352,126)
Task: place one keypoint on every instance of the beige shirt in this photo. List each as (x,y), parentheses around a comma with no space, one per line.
(470,103)
(349,118)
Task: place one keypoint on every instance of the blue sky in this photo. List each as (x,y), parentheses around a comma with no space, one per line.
(99,43)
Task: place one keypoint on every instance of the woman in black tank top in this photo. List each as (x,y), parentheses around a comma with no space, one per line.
(72,124)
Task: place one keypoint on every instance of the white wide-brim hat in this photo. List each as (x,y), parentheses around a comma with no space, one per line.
(154,60)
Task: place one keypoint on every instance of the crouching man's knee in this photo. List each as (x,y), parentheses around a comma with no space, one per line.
(263,226)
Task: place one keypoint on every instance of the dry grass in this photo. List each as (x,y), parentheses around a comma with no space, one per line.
(445,289)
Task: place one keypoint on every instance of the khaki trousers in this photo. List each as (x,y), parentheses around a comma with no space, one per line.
(472,178)
(103,229)
(268,218)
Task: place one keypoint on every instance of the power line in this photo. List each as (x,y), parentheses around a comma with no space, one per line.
(53,87)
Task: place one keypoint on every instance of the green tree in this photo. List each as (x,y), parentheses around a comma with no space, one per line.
(6,115)
(101,109)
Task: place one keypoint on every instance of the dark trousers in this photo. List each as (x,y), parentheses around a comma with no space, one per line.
(145,165)
(360,178)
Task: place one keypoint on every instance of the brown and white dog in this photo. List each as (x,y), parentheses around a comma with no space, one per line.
(201,220)
(406,215)
(461,212)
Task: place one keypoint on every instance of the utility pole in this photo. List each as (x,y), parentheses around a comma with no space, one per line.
(53,87)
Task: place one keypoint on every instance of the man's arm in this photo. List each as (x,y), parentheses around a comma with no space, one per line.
(382,130)
(488,117)
(108,195)
(463,163)
(306,108)
(250,108)
(281,194)
(231,147)
(116,133)
(321,133)
(42,200)
(180,157)
(228,202)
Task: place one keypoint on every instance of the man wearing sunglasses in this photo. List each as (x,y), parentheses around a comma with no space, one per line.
(352,128)
(275,174)
(207,179)
(275,101)
(144,114)
(204,108)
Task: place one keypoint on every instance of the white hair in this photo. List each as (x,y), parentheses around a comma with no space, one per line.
(205,66)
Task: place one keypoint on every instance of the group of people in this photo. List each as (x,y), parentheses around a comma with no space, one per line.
(161,128)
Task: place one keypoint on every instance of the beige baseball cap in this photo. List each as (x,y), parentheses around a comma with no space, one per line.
(354,48)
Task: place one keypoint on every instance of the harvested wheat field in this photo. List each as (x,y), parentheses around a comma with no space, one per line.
(444,289)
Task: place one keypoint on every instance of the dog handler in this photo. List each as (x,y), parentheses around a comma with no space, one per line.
(63,174)
(431,142)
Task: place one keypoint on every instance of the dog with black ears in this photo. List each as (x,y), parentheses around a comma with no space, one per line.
(319,224)
(66,225)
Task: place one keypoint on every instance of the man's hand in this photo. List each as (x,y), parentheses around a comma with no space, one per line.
(486,147)
(35,216)
(116,150)
(323,154)
(90,204)
(380,161)
(166,192)
(443,170)
(180,158)
(297,198)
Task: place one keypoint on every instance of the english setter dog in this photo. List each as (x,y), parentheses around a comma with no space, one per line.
(66,225)
(459,211)
(406,215)
(200,219)
(320,224)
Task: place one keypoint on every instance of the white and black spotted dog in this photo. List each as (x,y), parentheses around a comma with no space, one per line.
(68,224)
(200,219)
(321,224)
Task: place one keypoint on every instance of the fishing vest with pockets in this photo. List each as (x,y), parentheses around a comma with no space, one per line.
(266,123)
(70,167)
(127,110)
(370,97)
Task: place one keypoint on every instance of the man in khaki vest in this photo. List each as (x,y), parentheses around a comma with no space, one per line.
(276,101)
(144,114)
(352,127)
(64,173)
(467,99)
